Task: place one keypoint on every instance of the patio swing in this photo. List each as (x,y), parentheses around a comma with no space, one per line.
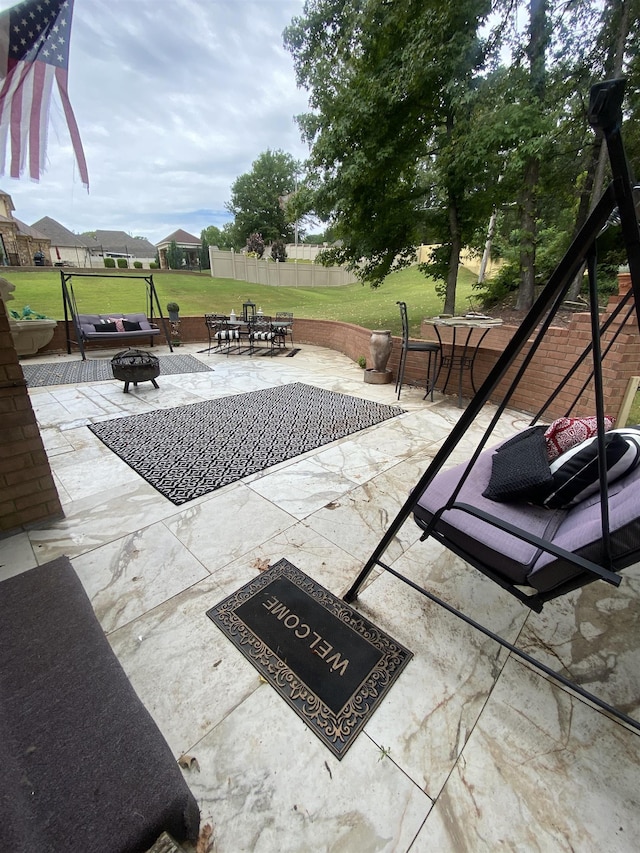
(116,324)
(539,538)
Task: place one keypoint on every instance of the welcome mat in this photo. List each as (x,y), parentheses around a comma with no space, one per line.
(328,662)
(189,451)
(99,370)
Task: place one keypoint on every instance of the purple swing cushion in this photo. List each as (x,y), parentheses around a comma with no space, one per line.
(576,529)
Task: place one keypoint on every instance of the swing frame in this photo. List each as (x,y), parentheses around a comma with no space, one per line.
(71,313)
(605,116)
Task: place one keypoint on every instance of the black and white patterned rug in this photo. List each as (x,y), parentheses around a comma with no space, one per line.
(99,370)
(189,451)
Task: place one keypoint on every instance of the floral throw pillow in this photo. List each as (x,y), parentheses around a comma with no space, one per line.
(565,433)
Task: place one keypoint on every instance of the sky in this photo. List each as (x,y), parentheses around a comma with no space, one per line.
(174,100)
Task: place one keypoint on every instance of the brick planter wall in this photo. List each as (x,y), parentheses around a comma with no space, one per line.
(27,489)
(556,352)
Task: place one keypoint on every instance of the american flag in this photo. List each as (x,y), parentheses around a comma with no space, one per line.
(34,51)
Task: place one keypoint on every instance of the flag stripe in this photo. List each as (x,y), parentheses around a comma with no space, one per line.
(61,77)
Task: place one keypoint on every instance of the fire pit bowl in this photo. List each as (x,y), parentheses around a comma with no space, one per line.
(135,365)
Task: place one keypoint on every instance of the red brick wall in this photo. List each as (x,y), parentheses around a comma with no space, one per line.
(27,489)
(557,351)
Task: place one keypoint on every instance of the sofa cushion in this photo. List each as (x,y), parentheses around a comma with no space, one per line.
(575,474)
(520,468)
(565,433)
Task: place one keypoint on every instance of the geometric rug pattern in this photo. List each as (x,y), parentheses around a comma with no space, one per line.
(330,664)
(99,370)
(190,451)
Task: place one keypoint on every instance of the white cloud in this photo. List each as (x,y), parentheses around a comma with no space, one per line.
(174,100)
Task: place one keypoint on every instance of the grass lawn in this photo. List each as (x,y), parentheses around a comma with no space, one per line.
(634,414)
(198,293)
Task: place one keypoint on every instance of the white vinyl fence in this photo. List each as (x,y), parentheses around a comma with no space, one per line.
(266,271)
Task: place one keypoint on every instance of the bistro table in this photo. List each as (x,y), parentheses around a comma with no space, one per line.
(465,360)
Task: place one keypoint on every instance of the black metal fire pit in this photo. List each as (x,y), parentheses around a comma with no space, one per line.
(135,365)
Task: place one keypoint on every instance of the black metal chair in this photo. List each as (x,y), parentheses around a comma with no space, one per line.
(222,333)
(431,347)
(283,327)
(261,331)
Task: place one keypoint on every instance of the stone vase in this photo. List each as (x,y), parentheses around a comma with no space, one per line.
(380,347)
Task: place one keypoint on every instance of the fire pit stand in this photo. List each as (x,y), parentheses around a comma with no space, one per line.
(135,365)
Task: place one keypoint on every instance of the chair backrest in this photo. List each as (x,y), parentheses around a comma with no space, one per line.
(405,321)
(262,322)
(214,322)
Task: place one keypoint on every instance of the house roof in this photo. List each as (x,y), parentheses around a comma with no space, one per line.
(182,238)
(29,231)
(58,234)
(122,243)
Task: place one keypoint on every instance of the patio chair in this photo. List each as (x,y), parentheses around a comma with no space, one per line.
(283,327)
(433,350)
(261,332)
(222,334)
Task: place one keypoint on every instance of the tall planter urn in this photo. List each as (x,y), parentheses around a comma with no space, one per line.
(380,346)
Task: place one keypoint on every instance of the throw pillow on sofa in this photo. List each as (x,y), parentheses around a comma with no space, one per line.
(575,473)
(565,433)
(105,327)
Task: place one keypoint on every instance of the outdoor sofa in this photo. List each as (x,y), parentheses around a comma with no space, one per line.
(101,327)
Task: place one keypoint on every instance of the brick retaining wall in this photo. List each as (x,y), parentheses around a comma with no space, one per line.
(27,489)
(557,351)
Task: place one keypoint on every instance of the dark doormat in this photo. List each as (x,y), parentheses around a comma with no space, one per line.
(328,662)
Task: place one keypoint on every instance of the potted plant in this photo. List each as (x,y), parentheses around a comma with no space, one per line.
(173,308)
(30,331)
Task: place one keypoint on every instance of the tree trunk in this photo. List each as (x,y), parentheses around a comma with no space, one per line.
(595,170)
(454,260)
(538,39)
(526,291)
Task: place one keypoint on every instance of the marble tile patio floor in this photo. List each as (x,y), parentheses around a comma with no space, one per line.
(472,750)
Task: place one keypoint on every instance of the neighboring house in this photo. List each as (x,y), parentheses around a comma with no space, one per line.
(19,242)
(189,244)
(67,248)
(119,244)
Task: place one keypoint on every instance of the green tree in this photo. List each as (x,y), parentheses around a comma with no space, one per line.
(388,85)
(175,256)
(255,198)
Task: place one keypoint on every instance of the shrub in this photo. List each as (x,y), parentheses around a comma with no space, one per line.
(255,243)
(122,264)
(278,251)
(154,265)
(109,262)
(137,265)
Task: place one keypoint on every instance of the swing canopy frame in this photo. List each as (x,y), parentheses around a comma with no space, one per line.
(449,504)
(88,327)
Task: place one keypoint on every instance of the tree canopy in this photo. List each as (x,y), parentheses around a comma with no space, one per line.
(256,198)
(428,119)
